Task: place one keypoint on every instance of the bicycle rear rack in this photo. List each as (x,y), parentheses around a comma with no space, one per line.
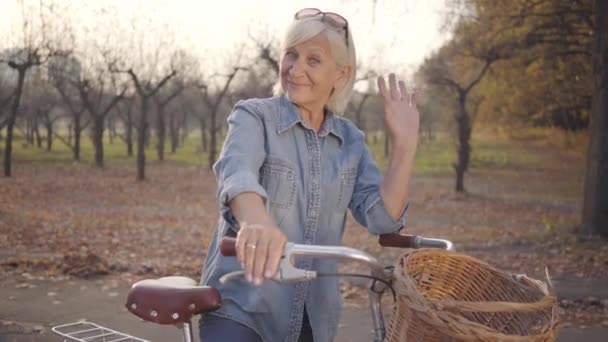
(84,331)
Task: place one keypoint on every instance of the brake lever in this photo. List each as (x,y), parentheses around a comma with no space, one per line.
(287,272)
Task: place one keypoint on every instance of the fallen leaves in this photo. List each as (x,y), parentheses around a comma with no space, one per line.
(73,220)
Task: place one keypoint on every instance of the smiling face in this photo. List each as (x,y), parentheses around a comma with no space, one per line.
(309,72)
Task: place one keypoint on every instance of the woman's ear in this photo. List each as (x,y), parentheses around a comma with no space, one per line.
(342,77)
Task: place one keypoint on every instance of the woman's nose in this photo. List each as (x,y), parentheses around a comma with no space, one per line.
(295,68)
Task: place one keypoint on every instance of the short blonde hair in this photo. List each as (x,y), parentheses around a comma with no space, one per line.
(304,29)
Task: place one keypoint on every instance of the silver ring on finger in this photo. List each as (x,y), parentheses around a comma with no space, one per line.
(251,245)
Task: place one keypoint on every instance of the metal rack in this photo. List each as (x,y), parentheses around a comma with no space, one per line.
(84,331)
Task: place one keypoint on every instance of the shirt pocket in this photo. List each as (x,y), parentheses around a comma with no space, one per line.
(347,184)
(278,178)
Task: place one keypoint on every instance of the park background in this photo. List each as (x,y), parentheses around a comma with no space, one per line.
(112,113)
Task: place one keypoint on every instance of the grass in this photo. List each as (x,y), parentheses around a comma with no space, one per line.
(190,152)
(492,150)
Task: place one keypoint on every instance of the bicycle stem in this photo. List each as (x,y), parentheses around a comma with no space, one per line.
(378,270)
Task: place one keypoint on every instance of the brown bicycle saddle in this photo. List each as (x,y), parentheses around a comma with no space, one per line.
(171,300)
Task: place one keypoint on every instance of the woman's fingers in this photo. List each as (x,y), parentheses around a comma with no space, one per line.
(275,252)
(382,88)
(396,89)
(261,256)
(250,255)
(392,82)
(403,90)
(259,250)
(241,240)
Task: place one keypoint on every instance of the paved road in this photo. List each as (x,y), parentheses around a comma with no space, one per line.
(28,312)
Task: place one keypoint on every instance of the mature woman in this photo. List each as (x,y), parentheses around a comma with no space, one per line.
(289,170)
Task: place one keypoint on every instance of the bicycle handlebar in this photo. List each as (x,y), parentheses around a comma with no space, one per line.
(228,245)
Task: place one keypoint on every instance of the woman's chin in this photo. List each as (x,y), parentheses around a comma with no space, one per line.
(295,97)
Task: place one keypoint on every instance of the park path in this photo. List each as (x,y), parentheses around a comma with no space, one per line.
(31,305)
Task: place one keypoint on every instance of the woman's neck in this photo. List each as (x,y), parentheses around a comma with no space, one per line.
(313,118)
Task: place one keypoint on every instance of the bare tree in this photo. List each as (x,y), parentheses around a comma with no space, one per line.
(161,124)
(145,89)
(124,111)
(43,102)
(21,62)
(213,103)
(148,60)
(177,121)
(35,47)
(479,42)
(595,201)
(98,103)
(65,73)
(442,75)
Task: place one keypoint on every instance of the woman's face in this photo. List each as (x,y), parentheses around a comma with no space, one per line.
(309,72)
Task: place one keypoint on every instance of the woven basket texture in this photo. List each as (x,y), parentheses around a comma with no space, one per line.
(448,296)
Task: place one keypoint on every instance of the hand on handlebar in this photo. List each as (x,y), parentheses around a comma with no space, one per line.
(285,271)
(259,248)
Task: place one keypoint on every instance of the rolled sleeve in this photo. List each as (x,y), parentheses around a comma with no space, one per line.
(366,204)
(237,169)
(379,221)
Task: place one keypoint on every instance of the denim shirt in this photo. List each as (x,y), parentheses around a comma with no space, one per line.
(308,180)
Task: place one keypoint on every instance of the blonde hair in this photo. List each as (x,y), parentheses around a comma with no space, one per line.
(302,30)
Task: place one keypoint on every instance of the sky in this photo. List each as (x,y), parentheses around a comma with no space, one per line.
(388,34)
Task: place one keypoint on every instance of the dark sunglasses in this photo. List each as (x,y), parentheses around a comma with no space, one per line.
(334,20)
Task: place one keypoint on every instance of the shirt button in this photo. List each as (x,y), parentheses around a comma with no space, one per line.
(313,213)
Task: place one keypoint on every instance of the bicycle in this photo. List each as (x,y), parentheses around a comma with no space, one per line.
(175,300)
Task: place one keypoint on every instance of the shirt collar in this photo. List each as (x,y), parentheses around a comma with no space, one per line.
(289,115)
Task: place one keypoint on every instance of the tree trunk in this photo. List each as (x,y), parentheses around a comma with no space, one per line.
(28,131)
(204,135)
(212,141)
(37,133)
(129,134)
(8,149)
(160,132)
(111,129)
(595,202)
(141,140)
(98,128)
(147,135)
(174,132)
(463,121)
(49,136)
(77,131)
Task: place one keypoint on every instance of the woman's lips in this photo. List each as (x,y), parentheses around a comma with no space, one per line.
(295,85)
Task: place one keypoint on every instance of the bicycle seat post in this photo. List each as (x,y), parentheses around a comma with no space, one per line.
(187,331)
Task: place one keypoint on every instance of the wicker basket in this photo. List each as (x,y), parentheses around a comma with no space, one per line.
(447,296)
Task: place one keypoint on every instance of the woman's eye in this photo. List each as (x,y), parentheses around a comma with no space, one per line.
(314,60)
(290,54)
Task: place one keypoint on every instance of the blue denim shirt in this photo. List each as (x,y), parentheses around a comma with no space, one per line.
(308,180)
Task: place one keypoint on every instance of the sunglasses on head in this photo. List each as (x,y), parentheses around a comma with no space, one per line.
(334,20)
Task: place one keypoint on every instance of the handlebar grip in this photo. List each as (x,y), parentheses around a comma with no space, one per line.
(228,246)
(397,240)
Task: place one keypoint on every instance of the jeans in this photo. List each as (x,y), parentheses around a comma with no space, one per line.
(219,329)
